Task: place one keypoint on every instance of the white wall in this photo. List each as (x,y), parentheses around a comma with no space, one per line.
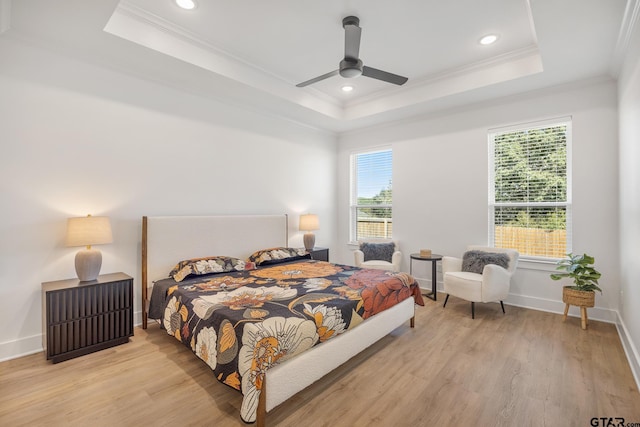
(78,139)
(440,173)
(629,111)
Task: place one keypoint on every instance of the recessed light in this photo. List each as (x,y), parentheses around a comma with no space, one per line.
(488,39)
(347,88)
(186,4)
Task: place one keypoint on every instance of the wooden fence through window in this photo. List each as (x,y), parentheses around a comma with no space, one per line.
(532,241)
(375,228)
(527,241)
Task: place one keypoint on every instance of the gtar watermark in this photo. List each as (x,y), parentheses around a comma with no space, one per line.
(612,422)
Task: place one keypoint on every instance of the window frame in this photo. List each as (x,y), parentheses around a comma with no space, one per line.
(353,192)
(567,204)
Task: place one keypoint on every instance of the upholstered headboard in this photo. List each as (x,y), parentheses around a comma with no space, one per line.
(169,239)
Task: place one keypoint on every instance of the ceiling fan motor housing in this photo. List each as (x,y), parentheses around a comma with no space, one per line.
(350,20)
(350,67)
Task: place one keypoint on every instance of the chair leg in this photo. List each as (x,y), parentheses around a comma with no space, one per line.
(473,310)
(502,305)
(445,301)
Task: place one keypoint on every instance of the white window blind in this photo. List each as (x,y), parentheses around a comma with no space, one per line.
(371,195)
(530,189)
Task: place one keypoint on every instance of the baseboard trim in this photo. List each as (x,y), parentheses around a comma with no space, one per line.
(595,313)
(629,349)
(551,306)
(20,347)
(33,344)
(555,306)
(137,318)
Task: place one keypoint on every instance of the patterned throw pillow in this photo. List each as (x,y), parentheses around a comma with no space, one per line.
(378,251)
(208,265)
(474,261)
(277,255)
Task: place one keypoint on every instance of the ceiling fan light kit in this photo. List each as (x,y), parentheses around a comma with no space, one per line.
(352,66)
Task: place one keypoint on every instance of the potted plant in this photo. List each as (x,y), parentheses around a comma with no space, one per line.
(585,278)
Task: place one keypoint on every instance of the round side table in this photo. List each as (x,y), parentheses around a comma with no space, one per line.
(434,258)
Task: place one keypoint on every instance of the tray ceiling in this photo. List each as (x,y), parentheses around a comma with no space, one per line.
(256,51)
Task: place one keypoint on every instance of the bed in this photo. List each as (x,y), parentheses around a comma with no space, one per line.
(271,326)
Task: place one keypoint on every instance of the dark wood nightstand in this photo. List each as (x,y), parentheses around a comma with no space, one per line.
(79,318)
(320,254)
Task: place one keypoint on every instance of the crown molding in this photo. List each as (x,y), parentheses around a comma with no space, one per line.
(463,71)
(137,25)
(149,19)
(475,106)
(627,27)
(140,26)
(510,66)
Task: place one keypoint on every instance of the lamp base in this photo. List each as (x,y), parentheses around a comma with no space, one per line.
(309,241)
(88,263)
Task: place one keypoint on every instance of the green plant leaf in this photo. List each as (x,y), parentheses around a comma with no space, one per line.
(580,269)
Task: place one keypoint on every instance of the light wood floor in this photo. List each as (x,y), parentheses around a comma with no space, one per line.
(525,368)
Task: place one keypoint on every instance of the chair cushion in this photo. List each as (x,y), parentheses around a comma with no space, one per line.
(378,251)
(378,265)
(463,284)
(474,261)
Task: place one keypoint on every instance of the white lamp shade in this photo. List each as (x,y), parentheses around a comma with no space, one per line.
(86,231)
(309,222)
(89,230)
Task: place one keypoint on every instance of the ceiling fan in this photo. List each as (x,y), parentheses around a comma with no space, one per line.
(351,65)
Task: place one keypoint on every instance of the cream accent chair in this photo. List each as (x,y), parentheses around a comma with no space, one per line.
(492,285)
(379,264)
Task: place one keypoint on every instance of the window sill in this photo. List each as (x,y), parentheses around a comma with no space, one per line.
(537,264)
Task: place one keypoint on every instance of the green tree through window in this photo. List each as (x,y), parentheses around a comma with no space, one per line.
(529,202)
(371,195)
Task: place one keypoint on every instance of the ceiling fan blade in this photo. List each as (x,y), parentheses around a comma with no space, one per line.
(317,79)
(374,73)
(352,35)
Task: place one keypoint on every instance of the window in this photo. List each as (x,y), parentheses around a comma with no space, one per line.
(371,195)
(530,189)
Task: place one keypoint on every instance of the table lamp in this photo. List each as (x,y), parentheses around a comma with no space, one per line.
(88,231)
(309,222)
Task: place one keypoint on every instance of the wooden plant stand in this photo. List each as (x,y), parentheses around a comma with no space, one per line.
(582,299)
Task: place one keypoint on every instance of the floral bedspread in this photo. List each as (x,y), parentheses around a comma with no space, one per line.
(242,323)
